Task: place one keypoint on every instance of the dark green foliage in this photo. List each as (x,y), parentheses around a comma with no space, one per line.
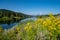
(7,16)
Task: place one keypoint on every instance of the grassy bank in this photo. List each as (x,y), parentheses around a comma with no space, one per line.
(40,29)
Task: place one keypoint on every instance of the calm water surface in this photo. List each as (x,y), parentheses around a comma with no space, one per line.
(6,26)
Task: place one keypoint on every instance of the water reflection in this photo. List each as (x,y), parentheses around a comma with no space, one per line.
(6,26)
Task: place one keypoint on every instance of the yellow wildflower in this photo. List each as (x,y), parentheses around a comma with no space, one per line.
(38,21)
(52,24)
(28,23)
(51,16)
(48,21)
(50,27)
(59,25)
(54,28)
(18,28)
(30,27)
(44,23)
(25,28)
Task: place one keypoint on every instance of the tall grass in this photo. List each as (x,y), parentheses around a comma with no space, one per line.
(40,29)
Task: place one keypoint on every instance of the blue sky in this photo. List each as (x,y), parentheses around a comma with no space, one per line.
(32,7)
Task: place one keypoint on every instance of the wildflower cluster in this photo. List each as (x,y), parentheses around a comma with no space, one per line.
(41,29)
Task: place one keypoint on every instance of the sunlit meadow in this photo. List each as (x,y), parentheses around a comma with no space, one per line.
(39,29)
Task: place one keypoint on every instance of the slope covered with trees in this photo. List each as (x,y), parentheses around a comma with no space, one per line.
(7,16)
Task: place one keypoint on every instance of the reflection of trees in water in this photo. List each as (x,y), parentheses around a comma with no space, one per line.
(8,21)
(7,16)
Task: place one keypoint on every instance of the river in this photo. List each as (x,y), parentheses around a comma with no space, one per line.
(7,26)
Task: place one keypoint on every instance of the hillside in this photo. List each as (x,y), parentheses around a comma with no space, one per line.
(7,16)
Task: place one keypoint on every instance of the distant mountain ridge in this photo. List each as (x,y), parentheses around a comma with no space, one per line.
(56,15)
(9,12)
